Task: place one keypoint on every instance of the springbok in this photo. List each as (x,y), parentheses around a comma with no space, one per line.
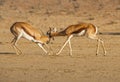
(23,29)
(81,29)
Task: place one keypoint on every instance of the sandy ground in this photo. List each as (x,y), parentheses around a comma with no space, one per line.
(34,66)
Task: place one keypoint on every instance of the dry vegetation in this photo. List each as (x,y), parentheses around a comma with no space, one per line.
(85,66)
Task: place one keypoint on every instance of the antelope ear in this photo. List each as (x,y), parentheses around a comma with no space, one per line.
(55,29)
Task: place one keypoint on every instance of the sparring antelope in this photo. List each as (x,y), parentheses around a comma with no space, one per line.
(81,29)
(23,29)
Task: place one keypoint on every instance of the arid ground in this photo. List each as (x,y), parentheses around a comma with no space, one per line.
(34,66)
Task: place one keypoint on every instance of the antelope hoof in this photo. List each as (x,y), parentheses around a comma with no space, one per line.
(48,53)
(19,53)
(57,54)
(96,54)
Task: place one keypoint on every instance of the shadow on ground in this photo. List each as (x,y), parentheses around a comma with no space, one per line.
(109,33)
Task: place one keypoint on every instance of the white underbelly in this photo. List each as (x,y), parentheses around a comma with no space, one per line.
(27,36)
(81,33)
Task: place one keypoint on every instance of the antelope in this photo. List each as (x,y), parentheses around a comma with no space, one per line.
(25,30)
(82,29)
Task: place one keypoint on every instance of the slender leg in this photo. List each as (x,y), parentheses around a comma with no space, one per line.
(94,37)
(97,51)
(64,44)
(99,41)
(40,45)
(18,51)
(50,50)
(62,47)
(48,46)
(70,48)
(14,41)
(102,42)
